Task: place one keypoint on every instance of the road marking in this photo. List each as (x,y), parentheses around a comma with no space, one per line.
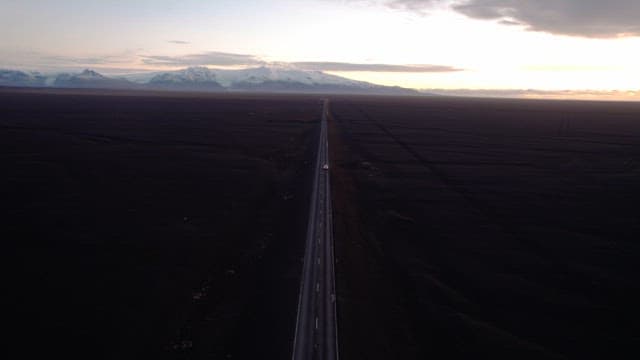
(319,305)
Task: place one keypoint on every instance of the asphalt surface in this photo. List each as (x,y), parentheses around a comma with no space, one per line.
(316,335)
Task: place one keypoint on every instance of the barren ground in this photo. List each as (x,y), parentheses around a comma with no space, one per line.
(145,225)
(470,228)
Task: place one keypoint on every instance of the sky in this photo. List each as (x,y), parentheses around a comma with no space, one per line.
(559,45)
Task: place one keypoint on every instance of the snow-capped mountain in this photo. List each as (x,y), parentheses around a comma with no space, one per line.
(192,74)
(21,78)
(195,78)
(227,78)
(90,79)
(261,79)
(283,74)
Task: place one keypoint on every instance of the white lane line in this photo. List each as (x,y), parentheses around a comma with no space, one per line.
(309,343)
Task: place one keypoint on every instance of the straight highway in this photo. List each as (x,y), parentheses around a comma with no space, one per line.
(316,325)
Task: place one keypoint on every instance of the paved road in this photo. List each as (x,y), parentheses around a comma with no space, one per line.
(316,328)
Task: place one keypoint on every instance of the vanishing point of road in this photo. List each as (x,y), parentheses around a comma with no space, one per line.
(316,325)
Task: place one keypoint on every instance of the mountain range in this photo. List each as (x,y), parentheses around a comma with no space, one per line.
(260,79)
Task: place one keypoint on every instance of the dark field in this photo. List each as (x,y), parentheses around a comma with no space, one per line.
(172,226)
(484,229)
(154,225)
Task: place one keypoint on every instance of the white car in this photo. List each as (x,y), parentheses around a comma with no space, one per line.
(325,166)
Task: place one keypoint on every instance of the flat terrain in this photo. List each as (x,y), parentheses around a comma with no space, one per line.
(172,226)
(486,229)
(143,225)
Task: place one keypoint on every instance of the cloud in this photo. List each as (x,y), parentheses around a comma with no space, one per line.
(584,18)
(540,94)
(179,42)
(133,58)
(419,6)
(92,60)
(214,58)
(588,18)
(340,66)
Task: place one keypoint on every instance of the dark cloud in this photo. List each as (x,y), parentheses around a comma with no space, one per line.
(586,18)
(203,59)
(340,66)
(179,42)
(589,18)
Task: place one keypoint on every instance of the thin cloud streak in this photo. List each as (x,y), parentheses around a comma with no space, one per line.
(178,42)
(419,6)
(342,66)
(614,95)
(94,60)
(35,60)
(214,58)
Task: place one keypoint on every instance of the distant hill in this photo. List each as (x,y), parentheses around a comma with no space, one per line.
(261,79)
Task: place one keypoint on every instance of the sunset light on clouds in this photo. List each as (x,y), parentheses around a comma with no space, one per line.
(465,44)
